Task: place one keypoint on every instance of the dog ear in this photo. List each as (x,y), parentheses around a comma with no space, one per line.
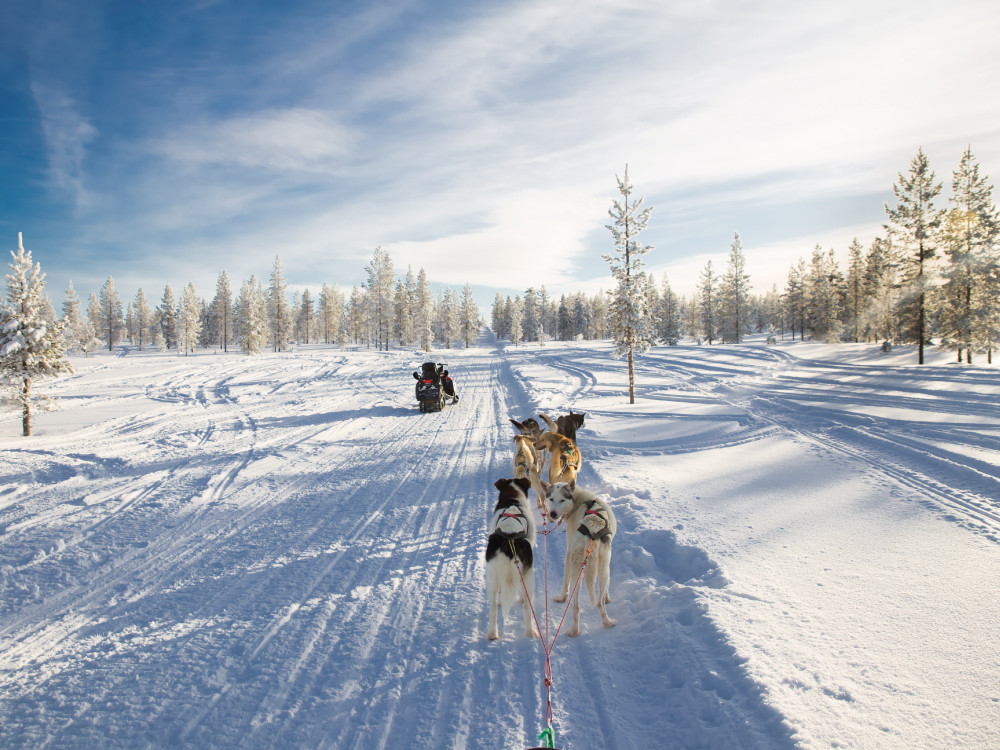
(500,484)
(572,484)
(524,483)
(545,485)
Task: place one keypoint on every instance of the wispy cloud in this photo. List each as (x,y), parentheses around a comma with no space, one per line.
(292,140)
(67,134)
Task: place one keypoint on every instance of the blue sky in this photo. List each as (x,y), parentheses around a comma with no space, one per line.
(163,142)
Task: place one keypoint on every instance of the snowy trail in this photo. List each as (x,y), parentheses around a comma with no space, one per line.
(282,552)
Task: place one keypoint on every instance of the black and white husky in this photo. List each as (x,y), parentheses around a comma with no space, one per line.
(512,537)
(590,523)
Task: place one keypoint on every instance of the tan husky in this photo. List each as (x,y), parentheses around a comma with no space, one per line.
(526,466)
(564,456)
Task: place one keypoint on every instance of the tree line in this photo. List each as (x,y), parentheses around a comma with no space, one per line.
(934,274)
(383,311)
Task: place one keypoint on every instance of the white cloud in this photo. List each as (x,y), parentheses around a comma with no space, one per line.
(281,140)
(67,134)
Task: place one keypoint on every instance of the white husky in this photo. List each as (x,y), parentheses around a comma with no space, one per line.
(590,523)
(512,537)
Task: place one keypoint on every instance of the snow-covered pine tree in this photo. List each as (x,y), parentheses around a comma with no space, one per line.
(222,306)
(206,315)
(143,317)
(564,329)
(669,315)
(400,313)
(855,290)
(913,224)
(250,317)
(532,318)
(734,295)
(130,324)
(188,321)
(516,318)
(380,296)
(77,329)
(795,299)
(424,316)
(331,310)
(168,318)
(708,303)
(631,325)
(882,290)
(409,317)
(71,306)
(969,232)
(497,320)
(306,315)
(112,321)
(470,317)
(822,297)
(31,347)
(279,311)
(582,316)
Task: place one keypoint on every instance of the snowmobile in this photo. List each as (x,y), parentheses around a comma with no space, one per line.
(434,387)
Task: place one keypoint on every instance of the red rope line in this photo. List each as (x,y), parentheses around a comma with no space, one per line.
(547,645)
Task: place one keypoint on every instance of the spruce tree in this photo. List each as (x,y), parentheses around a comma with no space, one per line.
(913,224)
(734,294)
(424,316)
(969,233)
(708,304)
(855,291)
(112,317)
(469,317)
(31,346)
(222,306)
(250,317)
(168,318)
(188,320)
(279,311)
(631,326)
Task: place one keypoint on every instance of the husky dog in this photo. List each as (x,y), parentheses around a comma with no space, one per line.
(567,424)
(512,536)
(564,461)
(589,523)
(526,466)
(528,427)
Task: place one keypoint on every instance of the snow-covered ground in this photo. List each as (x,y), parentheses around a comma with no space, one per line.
(281,551)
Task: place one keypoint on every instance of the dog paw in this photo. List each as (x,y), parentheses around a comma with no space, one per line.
(560,597)
(492,636)
(610,623)
(573,632)
(531,633)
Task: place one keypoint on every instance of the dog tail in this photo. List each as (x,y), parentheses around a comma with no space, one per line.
(553,427)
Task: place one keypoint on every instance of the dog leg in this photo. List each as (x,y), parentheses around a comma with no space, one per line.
(604,583)
(491,631)
(567,573)
(574,628)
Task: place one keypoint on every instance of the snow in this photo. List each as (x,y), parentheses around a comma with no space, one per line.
(281,551)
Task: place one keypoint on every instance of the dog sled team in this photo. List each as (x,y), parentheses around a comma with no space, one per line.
(590,526)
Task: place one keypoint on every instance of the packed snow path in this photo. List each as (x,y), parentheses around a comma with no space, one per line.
(282,551)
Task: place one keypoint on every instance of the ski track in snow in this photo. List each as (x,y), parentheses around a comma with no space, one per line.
(282,551)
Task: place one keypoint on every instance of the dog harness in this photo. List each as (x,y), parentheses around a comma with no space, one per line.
(600,513)
(522,534)
(568,454)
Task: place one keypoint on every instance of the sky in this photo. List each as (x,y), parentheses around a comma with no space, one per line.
(165,142)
